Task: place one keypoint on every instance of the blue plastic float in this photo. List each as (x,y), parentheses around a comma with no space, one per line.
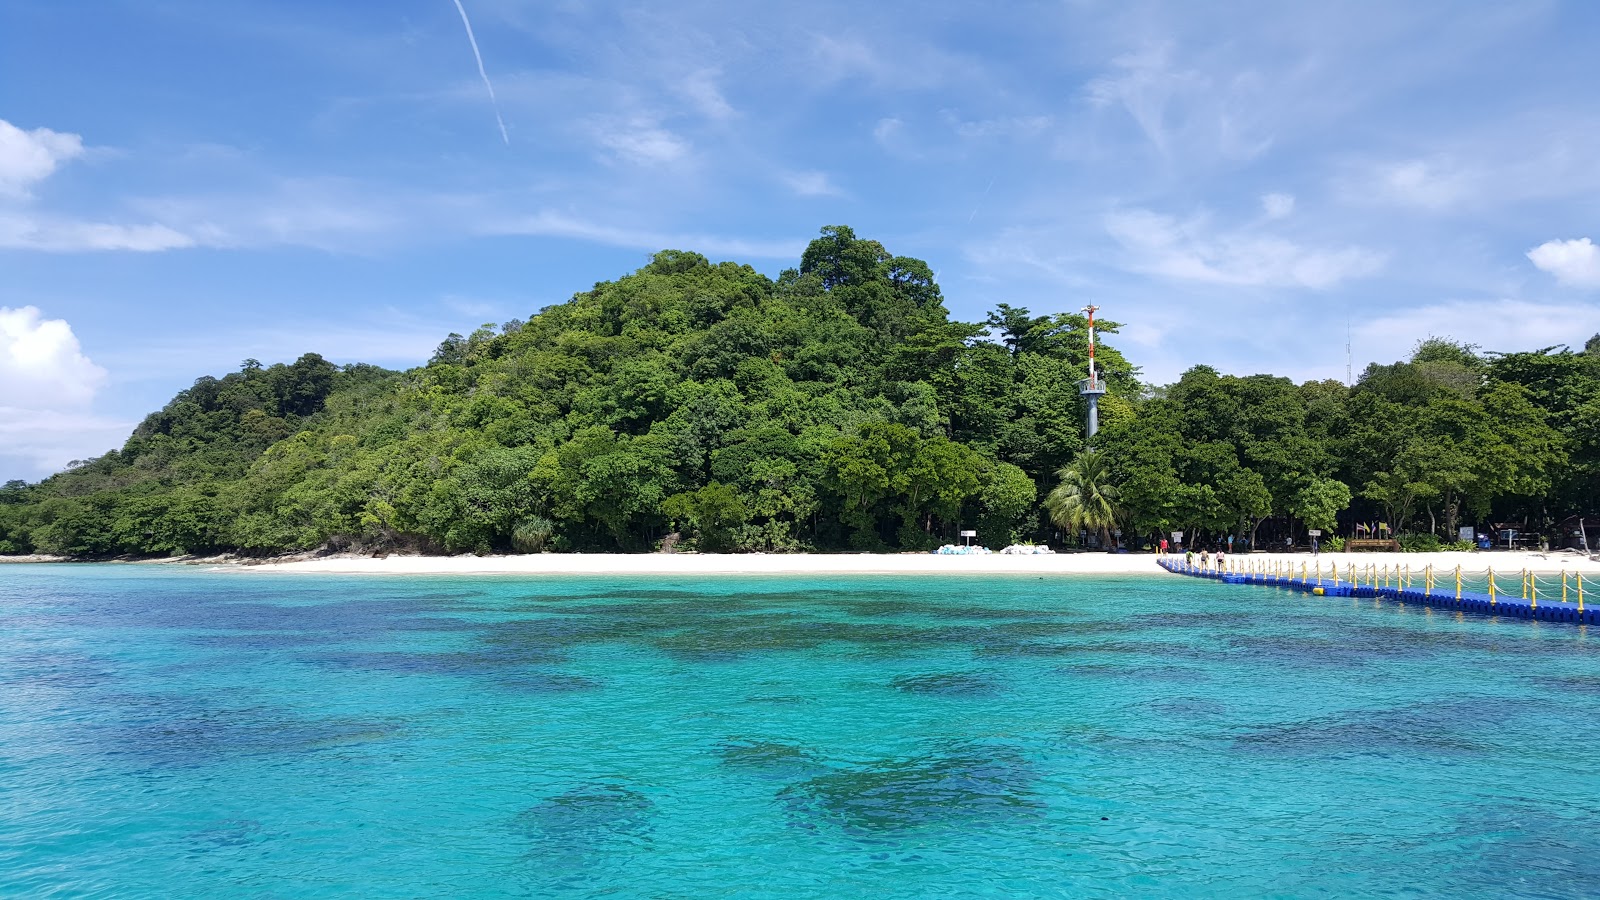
(1469,601)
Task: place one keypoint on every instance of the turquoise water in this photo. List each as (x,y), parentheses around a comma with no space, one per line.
(177,733)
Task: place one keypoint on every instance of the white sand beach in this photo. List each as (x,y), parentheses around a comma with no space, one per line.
(893,564)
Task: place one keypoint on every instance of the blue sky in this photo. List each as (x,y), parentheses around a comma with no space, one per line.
(188,183)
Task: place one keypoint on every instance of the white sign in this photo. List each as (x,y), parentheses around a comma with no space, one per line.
(1177,537)
(1467,533)
(1316,532)
(969,534)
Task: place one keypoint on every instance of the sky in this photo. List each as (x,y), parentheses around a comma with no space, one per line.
(185,184)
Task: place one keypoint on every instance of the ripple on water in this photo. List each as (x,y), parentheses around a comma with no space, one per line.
(227,834)
(976,685)
(1190,708)
(1132,672)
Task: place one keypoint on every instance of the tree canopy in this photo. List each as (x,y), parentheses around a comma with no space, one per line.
(837,406)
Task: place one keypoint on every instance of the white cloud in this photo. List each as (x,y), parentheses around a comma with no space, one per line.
(21,232)
(1429,184)
(36,442)
(552,224)
(1575,262)
(1144,83)
(1420,183)
(29,157)
(887,130)
(1004,127)
(640,141)
(700,89)
(1277,206)
(41,364)
(46,385)
(1162,245)
(812,184)
(1496,325)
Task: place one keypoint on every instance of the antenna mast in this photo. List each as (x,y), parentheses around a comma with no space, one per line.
(1092,387)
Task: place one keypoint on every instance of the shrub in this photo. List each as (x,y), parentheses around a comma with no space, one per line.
(1464,546)
(1333,544)
(1420,543)
(532,534)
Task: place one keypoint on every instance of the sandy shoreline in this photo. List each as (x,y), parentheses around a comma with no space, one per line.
(692,564)
(885,564)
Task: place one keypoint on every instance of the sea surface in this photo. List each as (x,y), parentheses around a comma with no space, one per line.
(172,732)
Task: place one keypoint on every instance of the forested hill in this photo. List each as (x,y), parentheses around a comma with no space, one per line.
(836,407)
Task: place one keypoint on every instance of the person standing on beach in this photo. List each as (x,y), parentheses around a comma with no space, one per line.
(1230,543)
(1163,546)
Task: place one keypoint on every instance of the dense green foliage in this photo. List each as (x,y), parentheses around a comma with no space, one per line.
(1445,438)
(836,407)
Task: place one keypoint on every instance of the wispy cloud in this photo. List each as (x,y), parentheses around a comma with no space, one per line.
(1193,250)
(999,127)
(482,73)
(1277,205)
(639,141)
(1430,184)
(33,232)
(812,184)
(38,442)
(1143,84)
(552,224)
(1500,324)
(28,158)
(700,89)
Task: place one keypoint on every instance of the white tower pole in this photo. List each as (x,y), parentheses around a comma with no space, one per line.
(1091,388)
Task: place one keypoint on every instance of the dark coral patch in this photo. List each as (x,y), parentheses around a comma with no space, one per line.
(967,786)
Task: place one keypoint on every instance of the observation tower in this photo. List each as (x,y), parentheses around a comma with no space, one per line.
(1092,387)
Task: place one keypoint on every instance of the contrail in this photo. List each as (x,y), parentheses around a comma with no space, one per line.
(479,57)
(980,201)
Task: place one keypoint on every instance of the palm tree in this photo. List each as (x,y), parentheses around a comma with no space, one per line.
(1085,498)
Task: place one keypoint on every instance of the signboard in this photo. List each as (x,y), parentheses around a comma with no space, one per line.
(1177,537)
(968,534)
(1467,533)
(1316,532)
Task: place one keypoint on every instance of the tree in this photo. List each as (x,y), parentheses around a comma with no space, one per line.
(1085,499)
(1319,503)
